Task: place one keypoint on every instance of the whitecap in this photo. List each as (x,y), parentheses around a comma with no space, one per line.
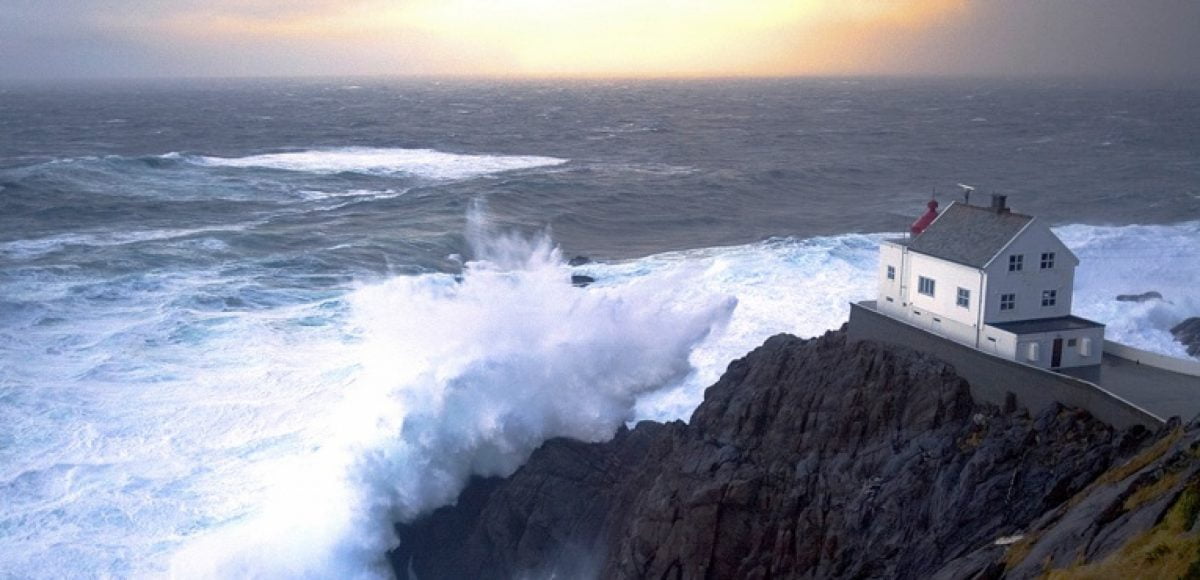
(426,163)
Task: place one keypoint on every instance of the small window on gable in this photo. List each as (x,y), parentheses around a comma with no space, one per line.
(964,298)
(1016,262)
(1008,301)
(925,285)
(1047,260)
(891,272)
(1049,297)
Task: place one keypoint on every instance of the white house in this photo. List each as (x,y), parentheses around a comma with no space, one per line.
(997,280)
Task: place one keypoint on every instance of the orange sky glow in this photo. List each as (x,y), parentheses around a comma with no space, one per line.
(586,38)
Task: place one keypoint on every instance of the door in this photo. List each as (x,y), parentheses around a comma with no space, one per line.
(1056,354)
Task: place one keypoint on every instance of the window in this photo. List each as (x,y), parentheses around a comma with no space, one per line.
(891,273)
(1072,341)
(964,298)
(1049,297)
(1016,262)
(925,285)
(1008,301)
(1047,260)
(1033,351)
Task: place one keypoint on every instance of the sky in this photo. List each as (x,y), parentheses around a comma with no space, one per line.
(51,39)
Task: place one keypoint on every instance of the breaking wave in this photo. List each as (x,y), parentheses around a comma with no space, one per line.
(147,435)
(426,163)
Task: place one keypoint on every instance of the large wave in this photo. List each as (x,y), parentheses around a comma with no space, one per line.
(144,433)
(459,378)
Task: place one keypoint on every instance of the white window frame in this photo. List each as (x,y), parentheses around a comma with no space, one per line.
(1047,260)
(1049,298)
(1008,301)
(924,284)
(891,272)
(1016,262)
(963,298)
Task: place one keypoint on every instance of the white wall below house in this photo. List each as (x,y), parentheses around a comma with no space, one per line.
(1037,349)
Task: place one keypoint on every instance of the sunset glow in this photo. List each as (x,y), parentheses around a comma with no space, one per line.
(595,37)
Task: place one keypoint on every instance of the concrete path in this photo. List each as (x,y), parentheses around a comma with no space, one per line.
(1159,391)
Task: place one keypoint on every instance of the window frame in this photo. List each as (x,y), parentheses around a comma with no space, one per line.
(1048,260)
(1016,262)
(891,272)
(963,298)
(1008,302)
(1049,298)
(922,282)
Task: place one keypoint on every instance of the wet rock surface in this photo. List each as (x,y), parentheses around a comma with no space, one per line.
(1143,297)
(808,458)
(1188,333)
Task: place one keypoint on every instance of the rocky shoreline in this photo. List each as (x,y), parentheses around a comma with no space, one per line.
(823,458)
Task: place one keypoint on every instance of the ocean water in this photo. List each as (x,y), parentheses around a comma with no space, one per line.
(246,325)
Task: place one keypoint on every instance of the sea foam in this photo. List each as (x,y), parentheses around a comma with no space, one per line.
(459,378)
(144,436)
(426,163)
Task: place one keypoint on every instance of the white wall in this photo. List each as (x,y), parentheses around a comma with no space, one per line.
(940,312)
(1031,280)
(889,299)
(1071,355)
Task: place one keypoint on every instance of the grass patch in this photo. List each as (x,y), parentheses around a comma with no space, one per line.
(1141,460)
(1164,551)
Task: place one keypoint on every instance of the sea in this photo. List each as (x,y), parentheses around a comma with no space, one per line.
(247,325)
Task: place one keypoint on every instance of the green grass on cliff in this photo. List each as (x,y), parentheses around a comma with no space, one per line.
(1170,549)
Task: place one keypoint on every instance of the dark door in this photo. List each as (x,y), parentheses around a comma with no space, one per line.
(1056,355)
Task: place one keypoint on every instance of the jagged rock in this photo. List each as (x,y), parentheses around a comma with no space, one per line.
(579,261)
(1188,333)
(814,458)
(1143,297)
(580,280)
(1139,518)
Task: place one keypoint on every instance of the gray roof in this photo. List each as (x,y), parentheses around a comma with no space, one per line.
(969,234)
(1045,325)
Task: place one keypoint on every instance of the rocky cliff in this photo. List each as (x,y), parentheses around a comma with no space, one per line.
(811,458)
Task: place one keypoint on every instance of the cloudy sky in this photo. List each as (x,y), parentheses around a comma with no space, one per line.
(594,38)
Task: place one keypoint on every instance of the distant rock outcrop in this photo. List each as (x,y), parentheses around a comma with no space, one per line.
(1188,332)
(1143,297)
(809,458)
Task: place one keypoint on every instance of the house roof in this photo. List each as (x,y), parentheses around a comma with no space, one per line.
(969,234)
(1046,325)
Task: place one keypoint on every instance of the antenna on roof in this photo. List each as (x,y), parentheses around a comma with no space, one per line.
(967,189)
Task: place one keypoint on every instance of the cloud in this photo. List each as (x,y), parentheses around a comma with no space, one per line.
(1155,38)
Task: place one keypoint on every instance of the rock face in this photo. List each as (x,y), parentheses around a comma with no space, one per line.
(1188,332)
(812,458)
(1137,520)
(1143,297)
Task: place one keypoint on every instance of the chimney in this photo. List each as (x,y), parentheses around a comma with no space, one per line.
(999,203)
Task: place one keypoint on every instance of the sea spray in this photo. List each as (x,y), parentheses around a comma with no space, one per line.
(461,377)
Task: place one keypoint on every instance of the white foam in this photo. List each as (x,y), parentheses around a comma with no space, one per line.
(459,378)
(1132,260)
(252,445)
(425,163)
(36,247)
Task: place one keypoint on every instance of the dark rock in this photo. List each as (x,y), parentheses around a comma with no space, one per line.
(1188,333)
(580,280)
(815,458)
(579,261)
(1143,297)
